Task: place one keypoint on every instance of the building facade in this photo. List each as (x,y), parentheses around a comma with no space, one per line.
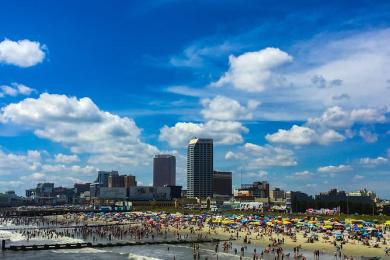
(103,177)
(121,181)
(256,190)
(277,194)
(164,170)
(222,183)
(200,168)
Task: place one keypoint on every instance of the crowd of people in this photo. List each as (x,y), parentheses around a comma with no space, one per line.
(266,240)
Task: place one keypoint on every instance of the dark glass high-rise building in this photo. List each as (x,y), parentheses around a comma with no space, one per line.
(222,183)
(200,168)
(164,170)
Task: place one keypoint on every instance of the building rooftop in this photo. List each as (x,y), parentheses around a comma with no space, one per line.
(200,140)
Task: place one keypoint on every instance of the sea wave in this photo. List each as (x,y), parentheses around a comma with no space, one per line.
(17,237)
(87,250)
(12,236)
(141,257)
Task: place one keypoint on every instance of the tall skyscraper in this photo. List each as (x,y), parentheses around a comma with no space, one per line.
(164,170)
(200,168)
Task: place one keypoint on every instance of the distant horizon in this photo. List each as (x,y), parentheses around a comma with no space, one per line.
(293,93)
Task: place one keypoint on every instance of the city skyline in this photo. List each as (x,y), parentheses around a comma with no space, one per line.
(296,95)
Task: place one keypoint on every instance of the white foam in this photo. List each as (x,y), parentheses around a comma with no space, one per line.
(17,237)
(12,236)
(141,257)
(87,250)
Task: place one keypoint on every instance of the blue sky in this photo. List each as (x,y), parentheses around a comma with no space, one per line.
(293,93)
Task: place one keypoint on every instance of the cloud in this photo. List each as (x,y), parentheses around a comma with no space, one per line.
(24,170)
(194,56)
(252,71)
(23,53)
(224,108)
(320,82)
(359,62)
(335,169)
(257,175)
(346,68)
(80,125)
(372,162)
(302,175)
(338,118)
(11,163)
(368,136)
(358,177)
(186,91)
(341,97)
(322,129)
(256,156)
(15,89)
(302,135)
(223,132)
(63,158)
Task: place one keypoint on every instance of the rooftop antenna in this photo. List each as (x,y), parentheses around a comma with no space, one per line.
(241,175)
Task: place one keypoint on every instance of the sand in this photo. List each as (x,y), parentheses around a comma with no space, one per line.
(325,246)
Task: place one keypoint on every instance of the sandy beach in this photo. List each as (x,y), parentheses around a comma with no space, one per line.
(178,226)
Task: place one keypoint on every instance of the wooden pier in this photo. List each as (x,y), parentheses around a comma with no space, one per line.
(101,245)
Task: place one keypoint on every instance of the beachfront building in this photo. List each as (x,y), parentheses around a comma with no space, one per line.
(277,199)
(276,194)
(164,170)
(10,199)
(121,181)
(297,201)
(200,168)
(80,188)
(255,190)
(103,176)
(364,193)
(348,203)
(222,183)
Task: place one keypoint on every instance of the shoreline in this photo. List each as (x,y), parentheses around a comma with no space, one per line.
(256,236)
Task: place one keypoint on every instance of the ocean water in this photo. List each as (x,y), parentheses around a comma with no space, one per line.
(154,252)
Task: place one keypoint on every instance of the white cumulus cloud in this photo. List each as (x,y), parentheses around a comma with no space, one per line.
(64,158)
(15,89)
(335,169)
(302,135)
(372,162)
(23,53)
(223,132)
(302,175)
(257,156)
(252,71)
(224,108)
(80,125)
